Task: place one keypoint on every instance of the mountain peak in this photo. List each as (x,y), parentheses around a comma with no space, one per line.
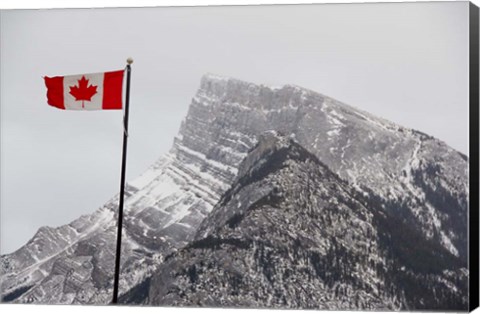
(272,139)
(242,144)
(268,142)
(287,223)
(214,77)
(210,80)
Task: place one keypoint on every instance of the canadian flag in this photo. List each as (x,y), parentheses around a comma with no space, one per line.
(94,91)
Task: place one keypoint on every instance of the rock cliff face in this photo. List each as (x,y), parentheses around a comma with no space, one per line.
(402,171)
(290,233)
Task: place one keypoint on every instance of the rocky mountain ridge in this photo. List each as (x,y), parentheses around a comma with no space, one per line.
(290,233)
(402,169)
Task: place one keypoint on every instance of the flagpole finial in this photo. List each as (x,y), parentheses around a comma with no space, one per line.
(129,60)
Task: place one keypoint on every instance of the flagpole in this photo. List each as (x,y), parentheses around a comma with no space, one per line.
(122,187)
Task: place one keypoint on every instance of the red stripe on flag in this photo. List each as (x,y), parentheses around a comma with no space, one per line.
(112,90)
(55,91)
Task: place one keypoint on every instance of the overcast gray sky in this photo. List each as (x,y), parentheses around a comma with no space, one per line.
(407,62)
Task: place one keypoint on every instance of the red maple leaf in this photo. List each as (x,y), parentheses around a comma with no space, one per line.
(83,91)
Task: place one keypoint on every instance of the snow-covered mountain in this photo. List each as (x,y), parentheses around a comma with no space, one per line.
(290,233)
(418,177)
